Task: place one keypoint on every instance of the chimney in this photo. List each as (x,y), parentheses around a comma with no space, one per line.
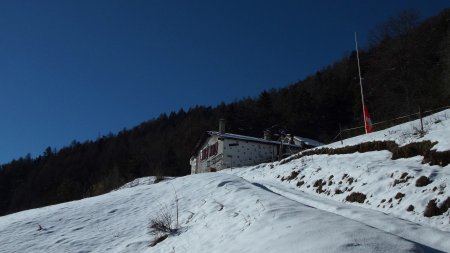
(290,138)
(266,134)
(221,126)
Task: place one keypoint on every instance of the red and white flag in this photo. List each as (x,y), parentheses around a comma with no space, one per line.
(368,121)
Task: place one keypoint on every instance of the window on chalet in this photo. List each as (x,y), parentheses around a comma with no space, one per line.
(213,149)
(208,151)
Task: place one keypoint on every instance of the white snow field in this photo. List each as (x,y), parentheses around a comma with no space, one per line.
(252,210)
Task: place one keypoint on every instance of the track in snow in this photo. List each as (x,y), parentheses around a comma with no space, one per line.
(437,242)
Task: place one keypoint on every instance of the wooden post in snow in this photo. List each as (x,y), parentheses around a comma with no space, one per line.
(421,121)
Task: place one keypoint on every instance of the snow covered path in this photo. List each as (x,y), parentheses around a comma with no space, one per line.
(218,213)
(435,239)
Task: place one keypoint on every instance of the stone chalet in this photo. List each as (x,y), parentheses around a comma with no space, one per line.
(220,150)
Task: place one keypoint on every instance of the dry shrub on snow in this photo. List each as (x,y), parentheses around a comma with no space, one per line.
(433,210)
(164,223)
(423,181)
(356,197)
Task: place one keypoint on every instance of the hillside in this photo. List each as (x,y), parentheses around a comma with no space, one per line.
(263,208)
(403,69)
(384,182)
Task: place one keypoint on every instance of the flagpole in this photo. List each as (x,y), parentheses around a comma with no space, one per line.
(360,84)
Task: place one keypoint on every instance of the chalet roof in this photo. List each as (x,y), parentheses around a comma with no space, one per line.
(249,138)
(304,141)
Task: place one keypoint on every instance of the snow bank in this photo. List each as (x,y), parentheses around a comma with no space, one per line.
(218,213)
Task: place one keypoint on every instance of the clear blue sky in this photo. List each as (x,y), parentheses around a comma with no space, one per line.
(79,69)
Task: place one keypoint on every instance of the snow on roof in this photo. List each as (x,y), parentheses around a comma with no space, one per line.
(248,138)
(307,141)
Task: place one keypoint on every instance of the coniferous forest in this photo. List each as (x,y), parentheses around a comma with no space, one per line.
(406,64)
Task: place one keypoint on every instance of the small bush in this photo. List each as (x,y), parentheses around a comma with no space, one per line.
(350,180)
(162,223)
(403,179)
(293,175)
(423,181)
(412,149)
(437,158)
(318,183)
(338,191)
(403,175)
(320,189)
(158,178)
(433,210)
(300,183)
(410,208)
(356,197)
(399,195)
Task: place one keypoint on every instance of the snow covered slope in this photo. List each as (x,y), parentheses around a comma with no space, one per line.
(402,187)
(436,126)
(406,189)
(297,206)
(218,213)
